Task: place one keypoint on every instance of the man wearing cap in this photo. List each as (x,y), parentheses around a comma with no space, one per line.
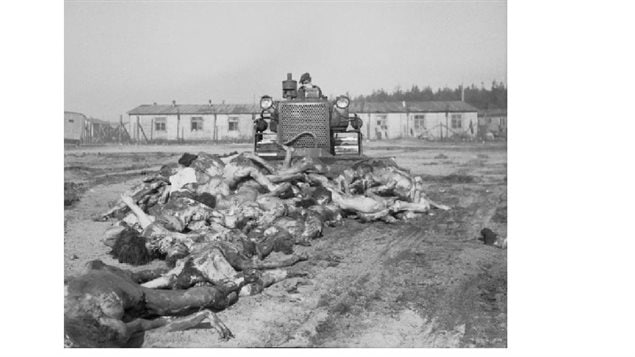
(307,89)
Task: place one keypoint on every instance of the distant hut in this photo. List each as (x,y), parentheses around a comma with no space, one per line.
(73,127)
(192,122)
(493,120)
(432,120)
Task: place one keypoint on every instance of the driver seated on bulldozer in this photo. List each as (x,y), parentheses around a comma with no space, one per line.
(308,90)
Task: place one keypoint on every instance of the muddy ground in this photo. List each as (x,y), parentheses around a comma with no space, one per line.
(425,283)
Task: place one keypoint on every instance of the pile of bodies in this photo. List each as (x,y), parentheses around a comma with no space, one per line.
(216,221)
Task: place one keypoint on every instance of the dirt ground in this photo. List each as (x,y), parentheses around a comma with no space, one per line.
(424,283)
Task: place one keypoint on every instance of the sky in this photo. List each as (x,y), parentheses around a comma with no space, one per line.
(118,55)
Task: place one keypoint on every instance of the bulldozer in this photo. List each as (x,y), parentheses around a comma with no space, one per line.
(309,122)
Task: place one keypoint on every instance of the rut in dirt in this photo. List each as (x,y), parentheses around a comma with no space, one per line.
(454,288)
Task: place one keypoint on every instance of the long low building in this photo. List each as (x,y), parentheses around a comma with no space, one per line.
(427,120)
(234,122)
(192,122)
(493,121)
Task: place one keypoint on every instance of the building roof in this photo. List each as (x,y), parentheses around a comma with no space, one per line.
(416,107)
(168,109)
(73,114)
(356,107)
(497,112)
(441,106)
(377,107)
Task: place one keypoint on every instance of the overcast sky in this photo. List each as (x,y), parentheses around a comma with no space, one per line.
(122,54)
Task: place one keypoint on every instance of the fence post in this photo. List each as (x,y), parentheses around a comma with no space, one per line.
(215,128)
(142,132)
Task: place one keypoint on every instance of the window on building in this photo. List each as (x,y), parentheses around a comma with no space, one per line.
(382,122)
(232,124)
(457,121)
(197,123)
(159,124)
(71,120)
(420,121)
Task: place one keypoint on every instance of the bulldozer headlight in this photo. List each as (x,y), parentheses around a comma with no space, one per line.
(266,102)
(342,102)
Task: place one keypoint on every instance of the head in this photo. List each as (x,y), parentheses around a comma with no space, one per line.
(187,159)
(85,331)
(169,170)
(322,196)
(252,275)
(210,164)
(305,78)
(130,248)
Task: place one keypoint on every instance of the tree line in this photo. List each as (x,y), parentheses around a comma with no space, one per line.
(480,97)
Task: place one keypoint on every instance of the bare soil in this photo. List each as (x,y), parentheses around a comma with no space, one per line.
(424,283)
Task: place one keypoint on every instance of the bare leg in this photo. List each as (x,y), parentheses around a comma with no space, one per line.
(180,302)
(167,279)
(144,219)
(161,282)
(262,179)
(435,204)
(358,204)
(193,320)
(416,196)
(267,279)
(271,277)
(118,209)
(164,324)
(324,182)
(207,265)
(252,172)
(343,184)
(285,177)
(423,205)
(143,275)
(164,196)
(287,261)
(139,325)
(136,193)
(287,157)
(369,217)
(259,160)
(279,188)
(146,275)
(382,188)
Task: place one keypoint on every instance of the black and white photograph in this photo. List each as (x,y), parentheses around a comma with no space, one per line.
(284,174)
(287,177)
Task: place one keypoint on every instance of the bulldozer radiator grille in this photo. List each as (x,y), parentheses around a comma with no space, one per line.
(296,118)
